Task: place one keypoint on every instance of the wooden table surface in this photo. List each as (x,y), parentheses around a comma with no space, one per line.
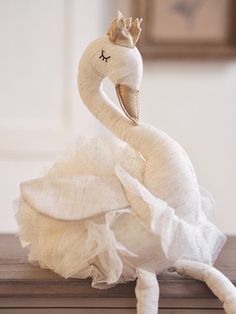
(18,278)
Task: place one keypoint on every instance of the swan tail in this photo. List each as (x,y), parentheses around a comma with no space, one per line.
(220,285)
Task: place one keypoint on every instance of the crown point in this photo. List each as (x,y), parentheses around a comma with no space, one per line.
(119,15)
(123,31)
(128,22)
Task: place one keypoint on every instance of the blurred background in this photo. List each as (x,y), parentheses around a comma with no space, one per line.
(41,113)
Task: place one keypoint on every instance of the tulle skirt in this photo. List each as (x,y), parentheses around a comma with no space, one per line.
(110,246)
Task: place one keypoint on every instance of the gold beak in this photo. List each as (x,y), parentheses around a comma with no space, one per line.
(128,98)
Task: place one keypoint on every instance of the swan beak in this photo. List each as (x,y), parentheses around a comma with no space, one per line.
(128,98)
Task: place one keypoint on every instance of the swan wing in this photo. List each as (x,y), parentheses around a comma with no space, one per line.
(201,241)
(74,197)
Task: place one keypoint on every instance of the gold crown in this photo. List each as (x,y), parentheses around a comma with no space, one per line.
(124,32)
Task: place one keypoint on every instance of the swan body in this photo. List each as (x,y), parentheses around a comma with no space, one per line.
(122,209)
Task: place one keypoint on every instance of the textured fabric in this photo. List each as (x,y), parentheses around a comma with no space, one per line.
(220,285)
(147,292)
(69,197)
(106,246)
(179,239)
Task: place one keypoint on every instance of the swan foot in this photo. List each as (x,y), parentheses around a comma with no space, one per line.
(147,292)
(220,285)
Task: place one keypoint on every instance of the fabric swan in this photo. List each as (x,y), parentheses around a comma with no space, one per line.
(120,210)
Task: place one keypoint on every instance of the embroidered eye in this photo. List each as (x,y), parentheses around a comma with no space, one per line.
(103,57)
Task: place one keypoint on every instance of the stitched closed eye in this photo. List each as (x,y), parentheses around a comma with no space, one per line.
(103,57)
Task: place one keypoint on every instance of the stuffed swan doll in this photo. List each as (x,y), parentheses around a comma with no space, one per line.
(125,209)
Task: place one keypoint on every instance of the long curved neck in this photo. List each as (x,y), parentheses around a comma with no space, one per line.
(92,94)
(91,91)
(168,172)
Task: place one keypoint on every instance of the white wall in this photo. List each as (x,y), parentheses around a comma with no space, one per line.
(40,110)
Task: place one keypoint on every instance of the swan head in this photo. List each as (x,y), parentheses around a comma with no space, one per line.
(116,57)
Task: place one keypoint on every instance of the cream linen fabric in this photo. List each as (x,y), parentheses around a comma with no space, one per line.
(111,244)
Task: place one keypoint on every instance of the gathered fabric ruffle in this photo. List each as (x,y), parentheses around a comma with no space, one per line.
(78,249)
(110,246)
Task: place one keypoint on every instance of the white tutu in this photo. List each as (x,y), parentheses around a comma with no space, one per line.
(108,244)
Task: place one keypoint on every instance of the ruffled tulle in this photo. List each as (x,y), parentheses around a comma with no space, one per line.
(77,249)
(109,247)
